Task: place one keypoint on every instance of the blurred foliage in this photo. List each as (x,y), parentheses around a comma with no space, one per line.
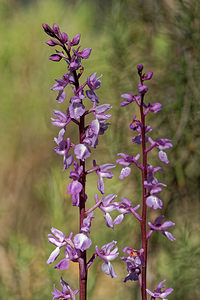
(164,36)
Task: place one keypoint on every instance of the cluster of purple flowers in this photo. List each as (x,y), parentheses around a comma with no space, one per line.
(137,259)
(74,156)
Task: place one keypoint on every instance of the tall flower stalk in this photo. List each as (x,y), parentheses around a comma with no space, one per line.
(137,259)
(75,248)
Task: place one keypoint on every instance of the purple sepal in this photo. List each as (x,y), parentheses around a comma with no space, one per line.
(48,30)
(53,255)
(56,30)
(64,37)
(62,119)
(129,98)
(63,264)
(76,40)
(155,107)
(92,96)
(158,293)
(147,76)
(55,57)
(93,82)
(162,227)
(53,43)
(85,53)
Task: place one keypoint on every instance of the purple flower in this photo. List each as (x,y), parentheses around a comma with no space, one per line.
(107,205)
(154,188)
(129,98)
(126,207)
(76,108)
(154,202)
(99,111)
(74,188)
(162,144)
(126,161)
(82,241)
(93,82)
(103,172)
(91,138)
(63,149)
(155,107)
(147,76)
(62,119)
(72,254)
(134,261)
(74,64)
(59,240)
(125,172)
(158,293)
(87,223)
(61,84)
(85,53)
(82,151)
(158,225)
(92,96)
(67,292)
(108,255)
(136,125)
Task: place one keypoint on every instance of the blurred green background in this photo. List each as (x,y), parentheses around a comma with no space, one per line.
(165,37)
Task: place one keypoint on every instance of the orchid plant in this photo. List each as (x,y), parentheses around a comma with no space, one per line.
(75,155)
(136,260)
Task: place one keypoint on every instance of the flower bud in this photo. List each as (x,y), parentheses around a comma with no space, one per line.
(64,37)
(148,76)
(142,89)
(76,40)
(56,30)
(48,30)
(140,67)
(55,57)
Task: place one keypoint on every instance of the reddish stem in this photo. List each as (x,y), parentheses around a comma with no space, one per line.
(82,260)
(82,180)
(143,222)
